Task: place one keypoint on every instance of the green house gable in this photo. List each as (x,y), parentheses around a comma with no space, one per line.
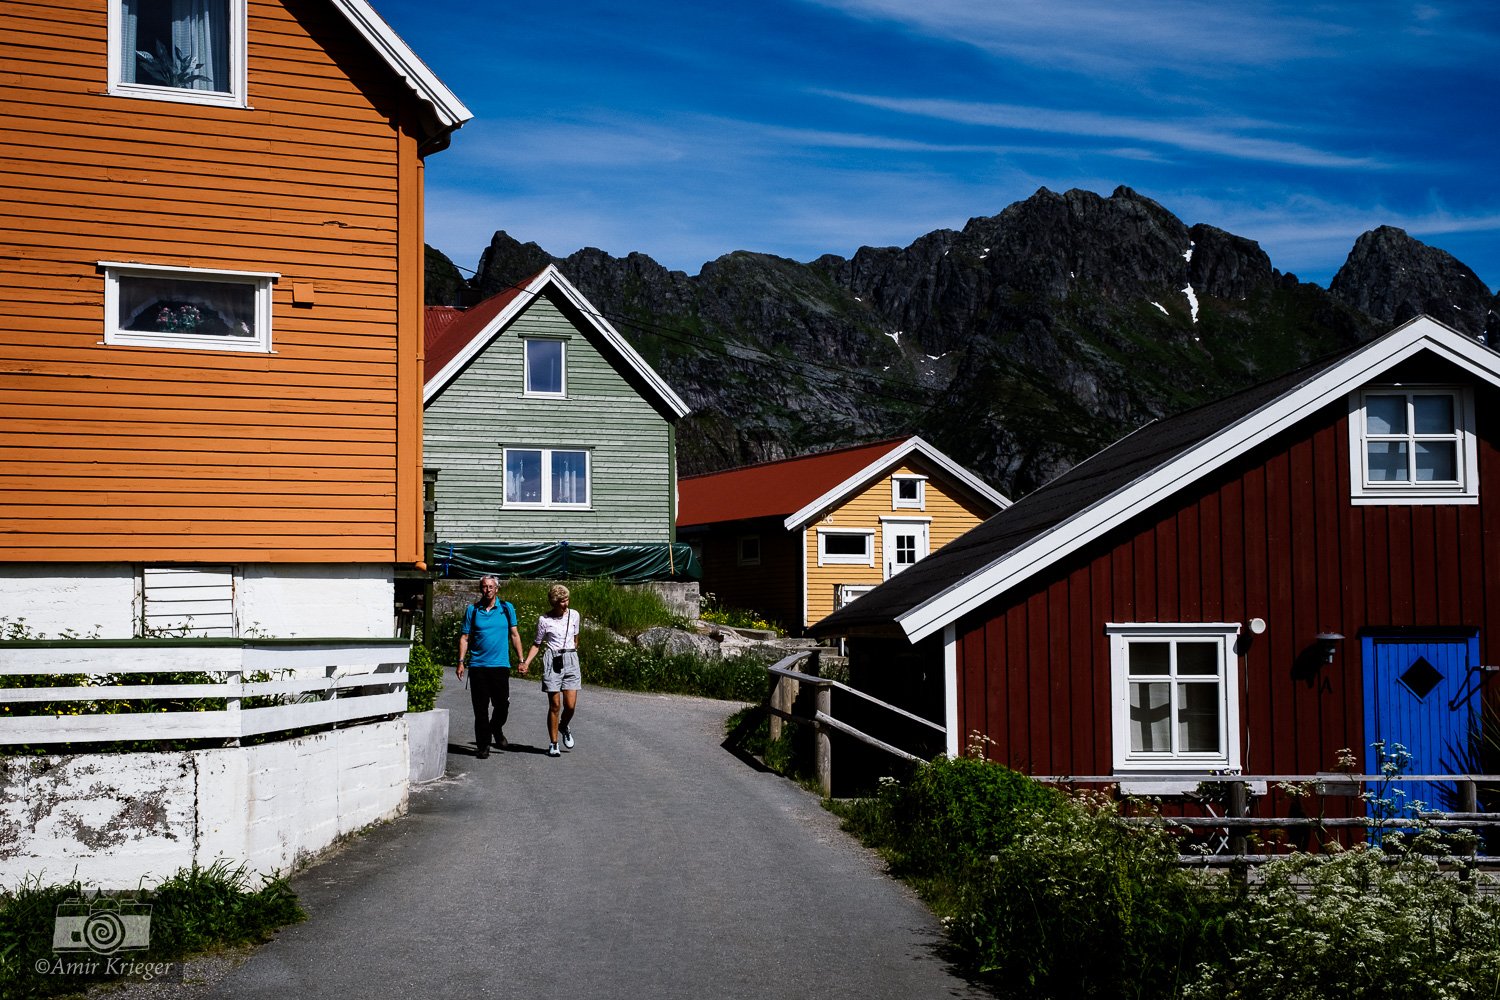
(605,438)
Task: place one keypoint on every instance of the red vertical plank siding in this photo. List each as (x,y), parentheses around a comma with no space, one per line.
(1210,558)
(1329,530)
(1189,566)
(1167,579)
(1399,569)
(1059,689)
(1101,598)
(1023,656)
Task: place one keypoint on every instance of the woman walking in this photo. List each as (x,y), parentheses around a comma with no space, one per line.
(557,638)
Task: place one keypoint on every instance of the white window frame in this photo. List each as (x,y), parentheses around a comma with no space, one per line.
(826,558)
(741,559)
(526,389)
(846,593)
(547,502)
(897,503)
(1465,490)
(1121,636)
(262,280)
(237,95)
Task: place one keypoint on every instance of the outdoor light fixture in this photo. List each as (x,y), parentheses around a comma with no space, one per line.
(1328,644)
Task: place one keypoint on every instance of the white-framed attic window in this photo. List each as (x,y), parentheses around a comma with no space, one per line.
(747,550)
(908,491)
(1174,699)
(545,360)
(1413,445)
(153,305)
(192,51)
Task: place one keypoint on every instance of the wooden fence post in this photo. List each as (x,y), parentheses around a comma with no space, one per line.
(825,749)
(1238,806)
(778,702)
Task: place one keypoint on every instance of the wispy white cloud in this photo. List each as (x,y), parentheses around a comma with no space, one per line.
(1105,36)
(1216,137)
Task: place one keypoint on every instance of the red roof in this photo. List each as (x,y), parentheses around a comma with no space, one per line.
(772,489)
(448,330)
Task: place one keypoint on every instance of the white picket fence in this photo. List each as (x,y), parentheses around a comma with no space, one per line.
(315,682)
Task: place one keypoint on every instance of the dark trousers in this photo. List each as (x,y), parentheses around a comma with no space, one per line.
(489,686)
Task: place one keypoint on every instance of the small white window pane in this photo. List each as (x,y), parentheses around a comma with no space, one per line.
(1150,717)
(523,477)
(1387,462)
(906,549)
(846,545)
(544,366)
(181,44)
(1198,718)
(907,489)
(1150,658)
(157,304)
(1432,414)
(1385,414)
(1437,461)
(570,477)
(1198,658)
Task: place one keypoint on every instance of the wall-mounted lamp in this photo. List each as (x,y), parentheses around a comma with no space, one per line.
(1328,644)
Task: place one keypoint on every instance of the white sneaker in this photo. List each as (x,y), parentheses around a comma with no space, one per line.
(552,750)
(567,736)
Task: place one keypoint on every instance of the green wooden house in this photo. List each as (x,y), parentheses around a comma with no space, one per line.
(553,440)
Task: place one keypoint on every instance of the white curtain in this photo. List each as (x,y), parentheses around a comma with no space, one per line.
(127,41)
(201,31)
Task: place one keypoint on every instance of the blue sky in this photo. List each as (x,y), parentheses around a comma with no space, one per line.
(803,127)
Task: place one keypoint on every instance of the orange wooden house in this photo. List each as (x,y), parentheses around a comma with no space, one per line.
(211,342)
(799,538)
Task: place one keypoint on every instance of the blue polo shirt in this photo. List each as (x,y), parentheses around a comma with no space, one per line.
(489,634)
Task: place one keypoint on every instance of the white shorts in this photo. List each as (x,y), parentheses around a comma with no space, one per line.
(561,672)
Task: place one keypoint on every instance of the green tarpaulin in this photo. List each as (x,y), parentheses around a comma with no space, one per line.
(558,560)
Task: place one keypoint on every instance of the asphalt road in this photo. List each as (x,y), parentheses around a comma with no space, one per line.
(646,863)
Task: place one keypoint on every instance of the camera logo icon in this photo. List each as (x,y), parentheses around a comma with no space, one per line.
(103,927)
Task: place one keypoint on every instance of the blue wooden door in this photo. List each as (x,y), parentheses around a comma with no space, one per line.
(1416,694)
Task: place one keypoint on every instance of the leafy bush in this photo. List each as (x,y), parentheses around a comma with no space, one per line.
(424,679)
(618,665)
(1079,904)
(951,813)
(736,617)
(195,910)
(1356,925)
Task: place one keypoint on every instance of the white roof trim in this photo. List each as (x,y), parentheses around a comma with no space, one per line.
(883,464)
(553,277)
(449,109)
(1363,366)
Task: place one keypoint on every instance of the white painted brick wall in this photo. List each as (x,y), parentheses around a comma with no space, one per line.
(54,597)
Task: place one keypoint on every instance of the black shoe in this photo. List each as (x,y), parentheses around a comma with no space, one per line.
(501,743)
(483,753)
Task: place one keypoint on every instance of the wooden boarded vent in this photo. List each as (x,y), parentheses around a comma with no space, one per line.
(188,601)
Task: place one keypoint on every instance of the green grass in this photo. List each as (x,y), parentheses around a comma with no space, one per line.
(196,910)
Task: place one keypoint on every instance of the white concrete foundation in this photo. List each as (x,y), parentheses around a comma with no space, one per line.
(279,601)
(114,820)
(88,598)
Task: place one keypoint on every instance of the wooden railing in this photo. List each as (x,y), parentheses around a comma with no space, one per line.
(248,687)
(1237,800)
(786,681)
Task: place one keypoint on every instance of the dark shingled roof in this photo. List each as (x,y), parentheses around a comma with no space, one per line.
(1065,497)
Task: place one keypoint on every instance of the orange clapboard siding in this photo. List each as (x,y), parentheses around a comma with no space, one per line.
(202,455)
(949,519)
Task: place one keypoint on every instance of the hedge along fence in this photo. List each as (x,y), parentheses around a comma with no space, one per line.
(97,691)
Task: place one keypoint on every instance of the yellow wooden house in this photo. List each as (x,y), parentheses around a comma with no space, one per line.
(799,538)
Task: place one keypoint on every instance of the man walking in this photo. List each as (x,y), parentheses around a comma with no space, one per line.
(488,623)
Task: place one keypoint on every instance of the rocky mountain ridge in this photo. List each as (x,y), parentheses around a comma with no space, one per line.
(1018,345)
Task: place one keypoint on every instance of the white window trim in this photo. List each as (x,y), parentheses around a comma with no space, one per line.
(526,389)
(113,335)
(1363,492)
(838,559)
(841,591)
(238,94)
(548,503)
(897,503)
(1120,637)
(739,550)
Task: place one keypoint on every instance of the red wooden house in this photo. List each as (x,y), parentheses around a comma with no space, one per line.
(1254,584)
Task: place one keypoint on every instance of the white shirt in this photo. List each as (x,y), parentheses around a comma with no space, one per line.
(557,634)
